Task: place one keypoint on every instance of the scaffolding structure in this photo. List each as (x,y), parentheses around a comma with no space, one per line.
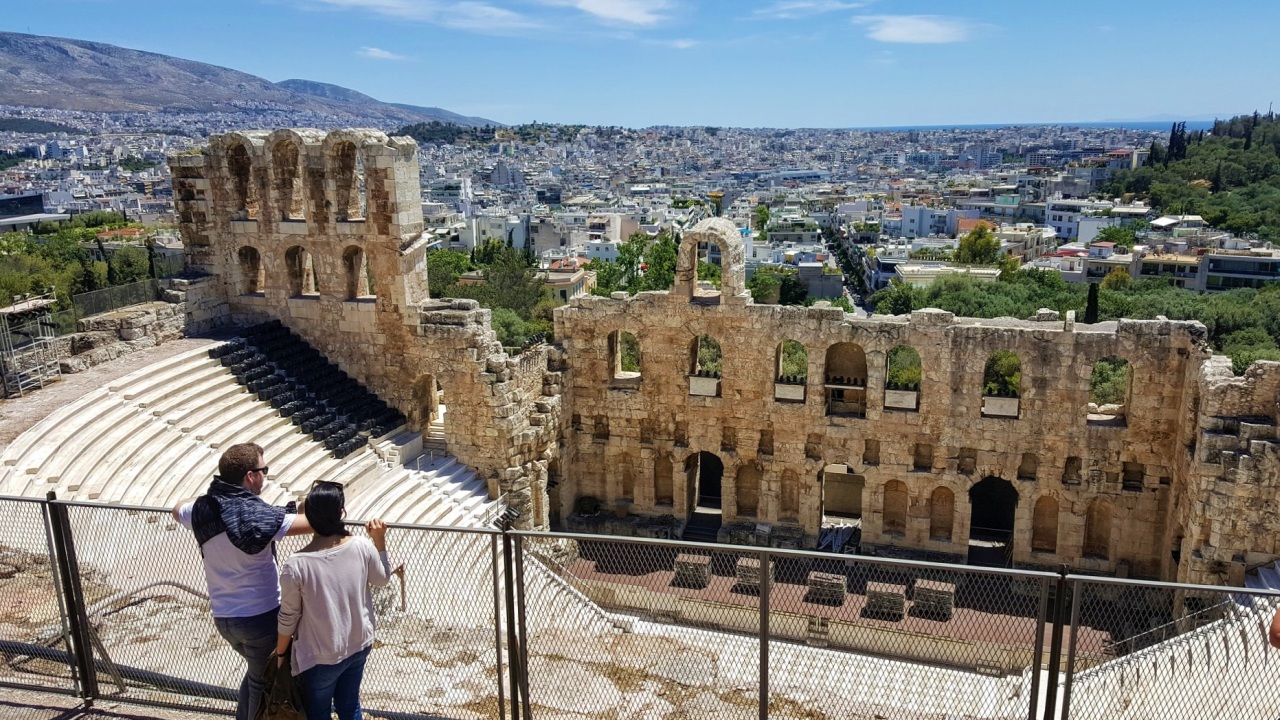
(28,355)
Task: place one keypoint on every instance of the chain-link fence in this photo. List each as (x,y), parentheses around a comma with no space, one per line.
(110,602)
(146,610)
(96,302)
(33,633)
(1174,652)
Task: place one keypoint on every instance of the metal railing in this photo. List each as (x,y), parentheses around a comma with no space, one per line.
(107,601)
(96,302)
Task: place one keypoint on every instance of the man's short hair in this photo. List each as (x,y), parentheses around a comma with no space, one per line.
(238,461)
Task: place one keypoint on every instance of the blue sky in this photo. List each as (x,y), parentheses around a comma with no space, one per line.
(752,63)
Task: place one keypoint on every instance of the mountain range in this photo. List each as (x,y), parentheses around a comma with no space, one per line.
(66,74)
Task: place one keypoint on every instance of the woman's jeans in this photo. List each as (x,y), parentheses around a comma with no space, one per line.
(336,687)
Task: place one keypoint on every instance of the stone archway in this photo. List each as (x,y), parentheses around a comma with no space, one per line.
(733,275)
(993,503)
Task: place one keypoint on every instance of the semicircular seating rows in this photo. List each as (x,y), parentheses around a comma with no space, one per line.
(153,437)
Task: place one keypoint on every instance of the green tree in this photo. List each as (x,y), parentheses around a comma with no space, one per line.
(1109,382)
(660,273)
(608,277)
(904,370)
(1117,279)
(1121,235)
(444,267)
(897,299)
(709,272)
(1002,375)
(979,247)
(761,216)
(129,264)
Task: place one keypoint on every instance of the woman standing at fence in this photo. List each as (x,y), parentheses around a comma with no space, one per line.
(326,607)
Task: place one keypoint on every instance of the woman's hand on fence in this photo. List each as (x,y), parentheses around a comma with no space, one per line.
(377,533)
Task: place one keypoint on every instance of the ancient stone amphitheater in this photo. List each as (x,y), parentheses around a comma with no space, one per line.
(311,262)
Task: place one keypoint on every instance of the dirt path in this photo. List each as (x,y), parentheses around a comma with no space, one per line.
(23,705)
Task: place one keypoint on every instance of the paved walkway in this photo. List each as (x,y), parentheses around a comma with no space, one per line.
(22,705)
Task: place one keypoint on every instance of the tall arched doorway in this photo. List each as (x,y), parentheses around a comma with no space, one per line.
(992,503)
(429,411)
(710,473)
(703,474)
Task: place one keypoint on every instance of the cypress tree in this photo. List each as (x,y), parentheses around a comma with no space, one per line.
(1091,306)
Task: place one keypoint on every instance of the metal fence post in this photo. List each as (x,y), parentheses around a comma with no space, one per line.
(81,647)
(59,583)
(514,670)
(766,587)
(1071,652)
(497,621)
(523,644)
(1041,616)
(1055,645)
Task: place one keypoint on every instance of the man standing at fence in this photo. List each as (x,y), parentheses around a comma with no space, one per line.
(237,531)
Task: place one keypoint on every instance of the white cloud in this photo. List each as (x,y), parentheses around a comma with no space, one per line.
(466,15)
(374,53)
(916,29)
(793,9)
(626,12)
(678,43)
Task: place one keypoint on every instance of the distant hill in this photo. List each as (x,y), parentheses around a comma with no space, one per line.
(65,74)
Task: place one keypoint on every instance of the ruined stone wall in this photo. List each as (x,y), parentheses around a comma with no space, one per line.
(629,435)
(1228,520)
(324,232)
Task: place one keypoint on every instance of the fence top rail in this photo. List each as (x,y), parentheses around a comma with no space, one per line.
(19,499)
(1219,589)
(796,554)
(149,509)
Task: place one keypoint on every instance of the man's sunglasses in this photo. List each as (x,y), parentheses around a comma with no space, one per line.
(264,470)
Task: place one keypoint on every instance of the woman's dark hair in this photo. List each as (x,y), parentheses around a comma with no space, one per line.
(324,507)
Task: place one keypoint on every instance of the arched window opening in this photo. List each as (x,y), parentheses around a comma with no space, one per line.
(289,198)
(1044,525)
(302,273)
(245,194)
(359,280)
(1108,391)
(704,472)
(791,371)
(789,507)
(845,372)
(1002,385)
(942,510)
(842,492)
(1097,530)
(894,516)
(350,183)
(747,490)
(705,367)
(993,504)
(625,352)
(253,279)
(902,379)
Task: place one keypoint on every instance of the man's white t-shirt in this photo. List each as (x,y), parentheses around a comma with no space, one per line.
(240,585)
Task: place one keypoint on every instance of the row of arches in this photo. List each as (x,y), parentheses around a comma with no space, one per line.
(993,506)
(286,181)
(301,274)
(845,375)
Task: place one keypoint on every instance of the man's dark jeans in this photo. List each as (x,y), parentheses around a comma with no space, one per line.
(254,638)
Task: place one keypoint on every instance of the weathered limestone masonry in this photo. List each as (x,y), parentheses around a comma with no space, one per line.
(1225,518)
(324,232)
(102,338)
(1105,496)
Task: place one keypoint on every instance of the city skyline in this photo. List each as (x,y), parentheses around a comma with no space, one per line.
(780,63)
